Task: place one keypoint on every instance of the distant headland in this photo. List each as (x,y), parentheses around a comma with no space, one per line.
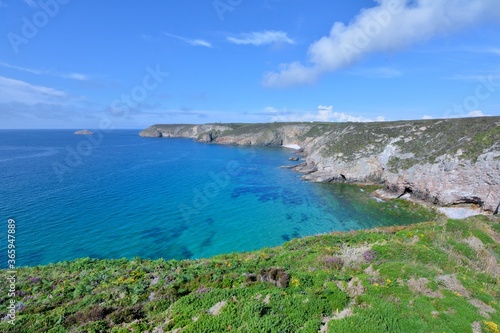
(84,132)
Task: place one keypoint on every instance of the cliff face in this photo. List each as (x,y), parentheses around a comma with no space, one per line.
(446,161)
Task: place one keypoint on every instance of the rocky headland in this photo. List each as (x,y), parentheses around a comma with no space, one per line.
(443,161)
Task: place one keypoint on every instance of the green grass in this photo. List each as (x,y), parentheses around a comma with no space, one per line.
(89,295)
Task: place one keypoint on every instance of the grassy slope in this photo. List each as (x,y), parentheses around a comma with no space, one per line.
(366,272)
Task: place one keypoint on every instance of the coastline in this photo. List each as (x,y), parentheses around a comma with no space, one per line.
(412,157)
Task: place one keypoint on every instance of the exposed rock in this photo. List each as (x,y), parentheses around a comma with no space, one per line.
(347,312)
(294,158)
(451,282)
(150,132)
(217,308)
(84,132)
(476,327)
(484,309)
(420,287)
(459,212)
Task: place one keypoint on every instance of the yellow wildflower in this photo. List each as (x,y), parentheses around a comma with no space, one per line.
(491,327)
(295,282)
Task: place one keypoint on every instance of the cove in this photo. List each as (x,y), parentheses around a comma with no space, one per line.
(169,198)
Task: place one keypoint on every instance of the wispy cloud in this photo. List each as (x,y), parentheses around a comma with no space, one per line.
(17,91)
(477,113)
(261,38)
(74,76)
(378,72)
(485,50)
(390,26)
(24,69)
(271,111)
(493,50)
(471,114)
(192,42)
(323,113)
(493,75)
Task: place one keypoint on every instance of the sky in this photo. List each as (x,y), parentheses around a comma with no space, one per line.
(84,64)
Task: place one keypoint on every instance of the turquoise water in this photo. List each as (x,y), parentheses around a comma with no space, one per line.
(118,195)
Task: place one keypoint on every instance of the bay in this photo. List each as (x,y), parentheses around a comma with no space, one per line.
(118,195)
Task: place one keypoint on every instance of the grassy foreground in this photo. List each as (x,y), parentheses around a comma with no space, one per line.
(440,276)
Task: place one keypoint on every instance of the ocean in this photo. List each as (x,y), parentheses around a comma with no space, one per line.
(118,195)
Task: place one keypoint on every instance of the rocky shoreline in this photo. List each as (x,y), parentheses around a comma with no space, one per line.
(446,162)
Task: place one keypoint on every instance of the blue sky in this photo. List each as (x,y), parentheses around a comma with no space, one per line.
(76,64)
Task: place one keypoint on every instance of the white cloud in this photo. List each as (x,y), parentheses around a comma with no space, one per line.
(477,113)
(192,42)
(390,26)
(261,38)
(272,110)
(199,42)
(24,69)
(493,75)
(16,91)
(324,114)
(378,72)
(74,76)
(487,50)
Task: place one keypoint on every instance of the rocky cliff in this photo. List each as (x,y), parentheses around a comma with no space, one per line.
(444,161)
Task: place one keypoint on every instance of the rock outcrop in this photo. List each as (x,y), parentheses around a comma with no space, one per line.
(443,161)
(84,132)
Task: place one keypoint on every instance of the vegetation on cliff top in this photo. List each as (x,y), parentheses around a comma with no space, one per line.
(466,138)
(439,276)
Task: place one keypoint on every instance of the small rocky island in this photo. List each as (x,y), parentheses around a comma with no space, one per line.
(84,132)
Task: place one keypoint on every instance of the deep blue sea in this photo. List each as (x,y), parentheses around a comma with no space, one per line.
(119,195)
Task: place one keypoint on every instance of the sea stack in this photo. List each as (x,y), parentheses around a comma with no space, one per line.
(84,132)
